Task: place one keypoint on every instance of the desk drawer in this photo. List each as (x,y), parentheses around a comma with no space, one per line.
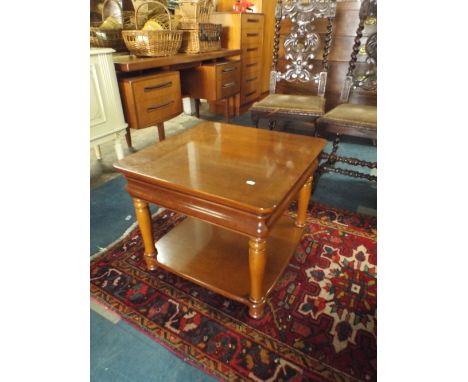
(158,84)
(158,109)
(251,51)
(250,78)
(251,37)
(249,96)
(228,71)
(254,22)
(251,65)
(157,98)
(228,79)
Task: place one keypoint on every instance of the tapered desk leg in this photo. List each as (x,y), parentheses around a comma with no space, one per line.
(303,203)
(226,109)
(257,260)
(128,137)
(143,216)
(161,132)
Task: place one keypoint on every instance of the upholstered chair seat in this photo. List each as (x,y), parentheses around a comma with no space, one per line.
(281,106)
(351,119)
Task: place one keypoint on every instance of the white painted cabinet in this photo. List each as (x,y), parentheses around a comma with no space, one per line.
(106,115)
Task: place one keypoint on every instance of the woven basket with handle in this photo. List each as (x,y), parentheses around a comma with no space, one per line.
(107,38)
(153,43)
(194,12)
(204,39)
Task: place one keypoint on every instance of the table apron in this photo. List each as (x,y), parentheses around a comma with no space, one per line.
(236,220)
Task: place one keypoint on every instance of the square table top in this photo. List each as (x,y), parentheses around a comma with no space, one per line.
(236,166)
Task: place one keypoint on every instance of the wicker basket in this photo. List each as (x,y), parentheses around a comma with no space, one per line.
(204,39)
(194,12)
(151,43)
(107,38)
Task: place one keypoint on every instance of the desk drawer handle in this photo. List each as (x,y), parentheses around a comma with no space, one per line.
(228,85)
(249,94)
(250,65)
(251,49)
(253,20)
(156,107)
(229,69)
(252,34)
(251,79)
(158,86)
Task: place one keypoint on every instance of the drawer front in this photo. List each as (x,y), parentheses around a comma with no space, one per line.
(252,21)
(157,98)
(251,65)
(227,79)
(153,86)
(228,89)
(251,37)
(249,96)
(250,79)
(250,83)
(251,51)
(226,72)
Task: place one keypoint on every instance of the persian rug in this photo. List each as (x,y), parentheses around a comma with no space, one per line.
(320,321)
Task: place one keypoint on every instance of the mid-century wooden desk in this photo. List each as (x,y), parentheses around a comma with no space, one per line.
(235,184)
(150,87)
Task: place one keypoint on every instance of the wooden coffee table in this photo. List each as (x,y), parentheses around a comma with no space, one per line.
(234,183)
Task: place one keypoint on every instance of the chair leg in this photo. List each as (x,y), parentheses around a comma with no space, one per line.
(330,159)
(254,117)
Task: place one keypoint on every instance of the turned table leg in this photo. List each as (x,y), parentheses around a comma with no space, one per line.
(143,216)
(257,260)
(303,203)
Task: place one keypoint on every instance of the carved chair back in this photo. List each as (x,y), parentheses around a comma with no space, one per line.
(367,79)
(301,44)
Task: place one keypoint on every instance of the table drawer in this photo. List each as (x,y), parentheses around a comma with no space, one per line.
(254,21)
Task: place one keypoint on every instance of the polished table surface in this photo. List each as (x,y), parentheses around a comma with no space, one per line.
(245,168)
(130,63)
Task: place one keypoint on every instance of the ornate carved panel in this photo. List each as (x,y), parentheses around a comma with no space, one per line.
(301,44)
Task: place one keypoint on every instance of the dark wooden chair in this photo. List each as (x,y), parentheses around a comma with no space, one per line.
(349,119)
(300,47)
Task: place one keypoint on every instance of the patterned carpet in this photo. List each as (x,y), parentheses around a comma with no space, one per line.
(320,322)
